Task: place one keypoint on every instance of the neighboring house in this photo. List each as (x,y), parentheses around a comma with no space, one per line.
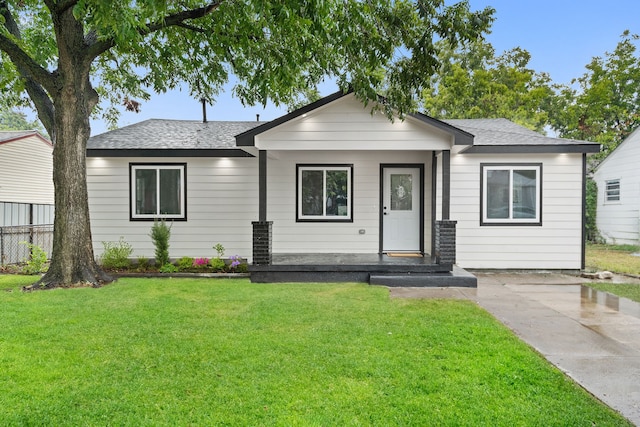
(332,186)
(26,178)
(618,180)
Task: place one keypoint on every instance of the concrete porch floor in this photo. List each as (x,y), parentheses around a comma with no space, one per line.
(592,336)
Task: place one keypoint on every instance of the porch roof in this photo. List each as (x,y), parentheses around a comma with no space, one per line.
(248,138)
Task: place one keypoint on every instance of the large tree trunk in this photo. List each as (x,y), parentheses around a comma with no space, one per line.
(72,260)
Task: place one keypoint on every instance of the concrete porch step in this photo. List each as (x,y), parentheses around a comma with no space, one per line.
(457,278)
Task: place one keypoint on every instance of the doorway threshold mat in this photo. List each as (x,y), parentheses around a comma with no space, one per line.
(405,254)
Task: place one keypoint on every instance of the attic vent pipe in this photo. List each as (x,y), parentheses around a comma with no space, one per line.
(257,117)
(204,110)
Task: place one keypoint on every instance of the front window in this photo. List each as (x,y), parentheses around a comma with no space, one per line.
(511,194)
(612,190)
(158,191)
(324,192)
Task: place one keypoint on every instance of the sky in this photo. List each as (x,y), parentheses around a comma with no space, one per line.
(562,37)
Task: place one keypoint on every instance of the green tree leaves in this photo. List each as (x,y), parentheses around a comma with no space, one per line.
(605,106)
(276,50)
(473,83)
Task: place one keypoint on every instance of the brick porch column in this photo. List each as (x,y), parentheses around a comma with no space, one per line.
(446,242)
(262,242)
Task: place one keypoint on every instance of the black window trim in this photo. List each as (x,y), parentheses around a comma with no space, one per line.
(325,219)
(510,222)
(159,217)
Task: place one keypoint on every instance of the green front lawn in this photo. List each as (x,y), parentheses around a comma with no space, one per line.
(228,352)
(618,259)
(626,290)
(615,258)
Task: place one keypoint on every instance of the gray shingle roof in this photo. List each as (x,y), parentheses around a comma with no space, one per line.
(505,132)
(6,135)
(163,134)
(158,134)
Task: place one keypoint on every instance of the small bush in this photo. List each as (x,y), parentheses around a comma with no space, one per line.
(218,264)
(160,234)
(242,268)
(219,249)
(168,268)
(116,254)
(143,263)
(185,263)
(37,262)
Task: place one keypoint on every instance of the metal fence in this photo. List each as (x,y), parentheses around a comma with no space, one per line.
(13,239)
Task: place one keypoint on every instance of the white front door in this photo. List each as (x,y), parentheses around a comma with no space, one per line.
(401,209)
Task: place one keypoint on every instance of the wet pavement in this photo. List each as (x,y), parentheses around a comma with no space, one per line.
(593,337)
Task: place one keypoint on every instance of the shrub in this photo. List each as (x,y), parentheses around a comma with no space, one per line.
(143,263)
(218,264)
(116,254)
(242,268)
(591,204)
(160,234)
(37,262)
(168,268)
(184,263)
(219,249)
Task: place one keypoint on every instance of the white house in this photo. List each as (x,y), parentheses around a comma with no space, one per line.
(331,186)
(618,180)
(26,178)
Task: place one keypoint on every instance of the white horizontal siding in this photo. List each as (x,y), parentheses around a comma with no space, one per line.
(346,124)
(222,201)
(26,171)
(290,236)
(619,222)
(557,244)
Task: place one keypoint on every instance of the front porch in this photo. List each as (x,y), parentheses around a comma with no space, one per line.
(339,178)
(418,271)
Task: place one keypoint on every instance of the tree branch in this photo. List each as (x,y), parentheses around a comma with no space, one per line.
(180,17)
(30,68)
(37,79)
(191,27)
(96,47)
(17,55)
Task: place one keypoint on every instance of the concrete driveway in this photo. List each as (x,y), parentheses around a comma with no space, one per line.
(592,336)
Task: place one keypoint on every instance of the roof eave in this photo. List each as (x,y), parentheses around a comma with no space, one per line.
(28,134)
(167,152)
(460,137)
(532,149)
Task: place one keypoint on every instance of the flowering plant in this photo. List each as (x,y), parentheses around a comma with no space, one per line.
(235,261)
(200,262)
